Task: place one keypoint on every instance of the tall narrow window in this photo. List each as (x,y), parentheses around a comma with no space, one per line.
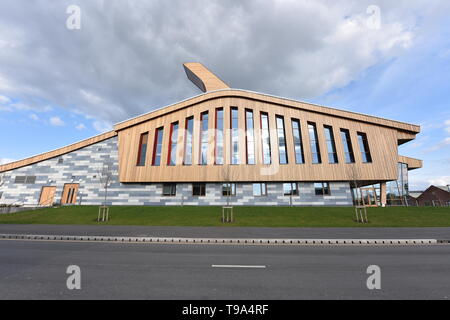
(250,137)
(265,136)
(315,150)
(157,147)
(172,158)
(298,146)
(364,147)
(347,143)
(290,189)
(281,140)
(259,189)
(219,136)
(331,145)
(234,136)
(204,138)
(142,152)
(189,128)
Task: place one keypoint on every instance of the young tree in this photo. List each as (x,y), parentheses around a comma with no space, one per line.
(106,174)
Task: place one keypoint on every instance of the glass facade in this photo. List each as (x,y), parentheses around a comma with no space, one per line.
(290,189)
(219,136)
(314,143)
(348,149)
(234,136)
(188,141)
(265,136)
(143,141)
(298,145)
(399,188)
(331,145)
(364,147)
(250,137)
(259,189)
(282,151)
(157,150)
(172,159)
(204,138)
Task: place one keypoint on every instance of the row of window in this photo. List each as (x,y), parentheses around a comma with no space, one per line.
(250,141)
(259,189)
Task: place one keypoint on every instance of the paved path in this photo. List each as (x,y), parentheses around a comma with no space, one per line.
(37,270)
(232,232)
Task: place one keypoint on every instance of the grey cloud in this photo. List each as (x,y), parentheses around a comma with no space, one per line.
(127,57)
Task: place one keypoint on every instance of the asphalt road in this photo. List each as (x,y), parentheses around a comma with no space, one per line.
(37,270)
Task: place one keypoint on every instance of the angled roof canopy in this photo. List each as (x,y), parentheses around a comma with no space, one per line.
(204,79)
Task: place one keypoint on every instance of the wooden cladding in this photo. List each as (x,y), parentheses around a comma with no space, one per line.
(203,155)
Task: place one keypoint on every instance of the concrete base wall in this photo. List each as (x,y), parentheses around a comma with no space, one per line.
(84,166)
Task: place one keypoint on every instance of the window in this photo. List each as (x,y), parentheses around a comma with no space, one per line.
(157,149)
(25,179)
(259,189)
(1,194)
(314,143)
(229,189)
(265,136)
(290,189)
(322,188)
(347,143)
(298,146)
(234,136)
(250,137)
(189,128)
(219,136)
(331,146)
(198,189)
(281,140)
(172,158)
(60,160)
(204,138)
(169,189)
(364,147)
(142,151)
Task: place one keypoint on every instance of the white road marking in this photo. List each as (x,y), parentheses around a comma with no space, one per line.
(236,266)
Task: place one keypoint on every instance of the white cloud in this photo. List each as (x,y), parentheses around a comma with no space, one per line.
(56,121)
(34,117)
(118,66)
(80,126)
(4,100)
(102,126)
(6,160)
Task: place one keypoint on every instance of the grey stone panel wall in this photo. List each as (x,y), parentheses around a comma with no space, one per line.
(83,166)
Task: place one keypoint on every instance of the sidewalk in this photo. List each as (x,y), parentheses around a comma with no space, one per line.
(230,232)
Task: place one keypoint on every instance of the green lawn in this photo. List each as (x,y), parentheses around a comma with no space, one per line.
(245,216)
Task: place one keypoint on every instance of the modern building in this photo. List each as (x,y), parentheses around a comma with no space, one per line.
(224,145)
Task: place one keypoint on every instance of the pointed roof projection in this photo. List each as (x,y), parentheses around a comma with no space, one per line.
(204,79)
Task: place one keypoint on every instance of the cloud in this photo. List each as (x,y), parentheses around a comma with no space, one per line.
(120,65)
(80,126)
(34,117)
(102,126)
(6,160)
(447,124)
(56,121)
(4,100)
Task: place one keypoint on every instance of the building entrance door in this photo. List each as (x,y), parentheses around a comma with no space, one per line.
(369,197)
(47,196)
(69,195)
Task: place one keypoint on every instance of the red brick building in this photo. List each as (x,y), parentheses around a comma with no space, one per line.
(435,196)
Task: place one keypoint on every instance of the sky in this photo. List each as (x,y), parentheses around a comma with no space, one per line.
(61,82)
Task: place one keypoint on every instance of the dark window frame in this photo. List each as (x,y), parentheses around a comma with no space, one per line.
(142,149)
(232,188)
(323,190)
(364,148)
(201,188)
(293,191)
(171,188)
